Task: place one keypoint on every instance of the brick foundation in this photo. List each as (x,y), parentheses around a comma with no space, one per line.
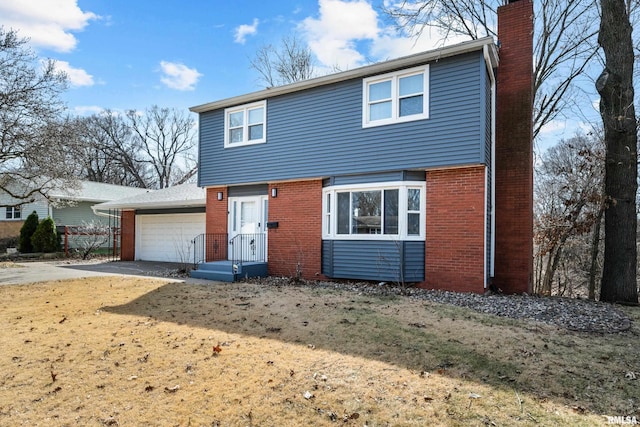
(128,236)
(514,149)
(455,245)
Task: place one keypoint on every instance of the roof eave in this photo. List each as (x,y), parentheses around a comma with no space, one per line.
(152,205)
(406,61)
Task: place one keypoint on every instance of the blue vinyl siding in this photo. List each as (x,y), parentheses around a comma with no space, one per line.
(373,260)
(318,132)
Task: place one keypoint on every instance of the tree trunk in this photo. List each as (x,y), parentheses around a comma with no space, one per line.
(615,86)
(595,248)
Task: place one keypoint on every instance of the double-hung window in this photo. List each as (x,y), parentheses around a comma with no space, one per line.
(396,97)
(380,211)
(245,124)
(13,212)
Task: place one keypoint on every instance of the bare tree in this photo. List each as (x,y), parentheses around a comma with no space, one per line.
(564,41)
(291,62)
(615,86)
(569,199)
(89,237)
(167,138)
(109,152)
(33,149)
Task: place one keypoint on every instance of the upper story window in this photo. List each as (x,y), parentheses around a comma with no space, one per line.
(13,212)
(396,97)
(378,211)
(245,124)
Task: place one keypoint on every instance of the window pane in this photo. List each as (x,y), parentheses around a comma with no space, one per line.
(413,224)
(411,105)
(343,213)
(379,111)
(236,119)
(391,211)
(413,199)
(256,116)
(255,132)
(16,213)
(235,135)
(9,213)
(366,208)
(411,85)
(379,91)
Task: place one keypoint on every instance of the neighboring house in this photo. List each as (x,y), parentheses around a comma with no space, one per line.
(161,224)
(417,169)
(67,207)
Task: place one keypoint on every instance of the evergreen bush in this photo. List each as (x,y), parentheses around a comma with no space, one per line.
(28,228)
(45,239)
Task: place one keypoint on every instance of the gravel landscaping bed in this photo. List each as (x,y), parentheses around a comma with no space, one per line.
(573,314)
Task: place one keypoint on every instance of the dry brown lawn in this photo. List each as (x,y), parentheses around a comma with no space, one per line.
(138,352)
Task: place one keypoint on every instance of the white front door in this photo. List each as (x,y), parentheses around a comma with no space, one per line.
(247,228)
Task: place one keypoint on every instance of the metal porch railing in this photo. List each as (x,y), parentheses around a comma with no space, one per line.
(250,247)
(209,247)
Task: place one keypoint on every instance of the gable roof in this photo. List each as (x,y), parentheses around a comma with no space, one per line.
(368,70)
(185,195)
(89,191)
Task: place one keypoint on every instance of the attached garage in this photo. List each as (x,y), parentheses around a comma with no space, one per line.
(160,225)
(167,237)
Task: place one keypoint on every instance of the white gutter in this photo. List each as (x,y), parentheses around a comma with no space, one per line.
(104,214)
(492,77)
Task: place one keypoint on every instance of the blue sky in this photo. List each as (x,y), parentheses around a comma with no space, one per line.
(124,54)
(132,54)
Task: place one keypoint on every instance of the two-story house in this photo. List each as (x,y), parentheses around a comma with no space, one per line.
(416,169)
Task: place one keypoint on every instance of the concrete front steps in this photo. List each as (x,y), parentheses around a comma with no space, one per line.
(222,271)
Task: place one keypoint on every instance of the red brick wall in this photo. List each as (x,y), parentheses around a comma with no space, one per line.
(10,228)
(217,214)
(298,238)
(128,235)
(514,149)
(455,253)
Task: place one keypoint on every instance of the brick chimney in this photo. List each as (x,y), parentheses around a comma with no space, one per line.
(514,149)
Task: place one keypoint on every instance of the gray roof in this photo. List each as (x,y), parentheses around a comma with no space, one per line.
(368,70)
(96,192)
(185,195)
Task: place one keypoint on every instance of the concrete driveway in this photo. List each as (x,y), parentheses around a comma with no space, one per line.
(31,272)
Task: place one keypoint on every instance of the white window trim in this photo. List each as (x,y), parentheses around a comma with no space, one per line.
(329,219)
(245,124)
(395,96)
(12,209)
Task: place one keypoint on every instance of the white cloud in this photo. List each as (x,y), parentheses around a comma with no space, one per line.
(333,35)
(77,76)
(348,34)
(245,30)
(87,110)
(48,23)
(179,76)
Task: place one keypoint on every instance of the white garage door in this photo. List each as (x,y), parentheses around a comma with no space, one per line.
(167,237)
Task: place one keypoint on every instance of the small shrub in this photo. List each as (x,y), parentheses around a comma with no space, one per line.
(26,232)
(45,239)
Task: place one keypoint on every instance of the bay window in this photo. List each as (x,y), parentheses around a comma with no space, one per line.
(374,211)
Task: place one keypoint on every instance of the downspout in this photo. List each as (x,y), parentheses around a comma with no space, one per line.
(492,78)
